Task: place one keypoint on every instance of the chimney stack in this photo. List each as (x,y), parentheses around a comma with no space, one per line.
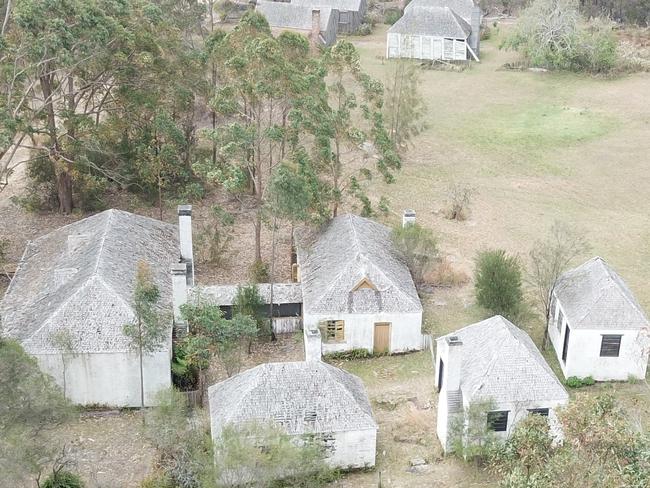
(313,341)
(451,379)
(315,28)
(185,231)
(408,217)
(179,292)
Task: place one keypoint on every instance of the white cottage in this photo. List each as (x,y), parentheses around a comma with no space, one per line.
(303,399)
(77,282)
(319,23)
(495,361)
(597,326)
(357,290)
(436,29)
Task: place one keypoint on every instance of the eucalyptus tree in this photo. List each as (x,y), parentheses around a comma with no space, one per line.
(351,140)
(260,80)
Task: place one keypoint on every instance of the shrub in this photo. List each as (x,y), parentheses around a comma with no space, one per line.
(374,17)
(576,382)
(458,200)
(157,480)
(391,16)
(364,29)
(497,280)
(349,355)
(444,275)
(259,272)
(419,247)
(63,479)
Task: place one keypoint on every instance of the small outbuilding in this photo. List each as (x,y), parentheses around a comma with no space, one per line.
(436,29)
(597,326)
(305,399)
(72,295)
(495,362)
(317,23)
(357,290)
(351,13)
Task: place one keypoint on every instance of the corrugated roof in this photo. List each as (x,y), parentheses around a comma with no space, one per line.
(80,278)
(594,296)
(432,21)
(499,361)
(292,16)
(341,255)
(301,397)
(462,7)
(224,295)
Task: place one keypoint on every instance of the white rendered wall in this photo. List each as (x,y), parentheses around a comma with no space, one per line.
(111,379)
(354,449)
(405,331)
(423,47)
(583,357)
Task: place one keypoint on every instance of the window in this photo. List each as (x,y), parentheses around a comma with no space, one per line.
(441,374)
(334,330)
(610,346)
(497,421)
(539,411)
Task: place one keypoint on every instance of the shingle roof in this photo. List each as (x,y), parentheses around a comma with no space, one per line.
(594,296)
(346,5)
(80,278)
(340,256)
(432,21)
(302,397)
(224,295)
(462,7)
(499,361)
(288,15)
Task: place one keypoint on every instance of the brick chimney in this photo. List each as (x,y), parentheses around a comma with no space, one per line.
(185,235)
(408,217)
(314,35)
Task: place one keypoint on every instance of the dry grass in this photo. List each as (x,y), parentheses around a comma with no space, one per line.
(444,274)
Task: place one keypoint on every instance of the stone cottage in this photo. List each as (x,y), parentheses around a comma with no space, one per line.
(492,361)
(357,290)
(304,399)
(77,283)
(597,326)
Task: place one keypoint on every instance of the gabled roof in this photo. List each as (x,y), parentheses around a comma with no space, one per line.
(345,5)
(594,296)
(432,21)
(302,397)
(80,278)
(499,361)
(463,8)
(292,16)
(340,256)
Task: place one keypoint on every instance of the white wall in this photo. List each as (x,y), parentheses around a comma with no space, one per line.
(111,379)
(405,333)
(354,449)
(583,354)
(425,47)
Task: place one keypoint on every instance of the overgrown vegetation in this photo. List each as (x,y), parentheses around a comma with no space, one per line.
(498,283)
(459,197)
(420,248)
(553,34)
(575,382)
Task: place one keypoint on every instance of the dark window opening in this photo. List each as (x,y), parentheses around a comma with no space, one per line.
(539,411)
(441,370)
(226,310)
(497,421)
(610,346)
(565,348)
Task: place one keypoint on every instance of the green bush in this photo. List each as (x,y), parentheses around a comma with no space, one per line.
(63,479)
(349,355)
(498,283)
(575,382)
(259,272)
(391,16)
(364,30)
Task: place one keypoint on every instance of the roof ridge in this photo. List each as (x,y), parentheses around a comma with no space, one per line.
(100,251)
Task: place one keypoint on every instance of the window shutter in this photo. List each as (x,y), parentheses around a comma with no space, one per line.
(610,346)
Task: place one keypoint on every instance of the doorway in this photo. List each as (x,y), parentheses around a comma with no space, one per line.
(565,347)
(382,338)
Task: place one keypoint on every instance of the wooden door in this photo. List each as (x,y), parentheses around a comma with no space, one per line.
(565,348)
(382,337)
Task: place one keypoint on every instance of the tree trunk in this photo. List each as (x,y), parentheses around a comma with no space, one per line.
(64,375)
(5,23)
(141,370)
(258,235)
(64,190)
(271,278)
